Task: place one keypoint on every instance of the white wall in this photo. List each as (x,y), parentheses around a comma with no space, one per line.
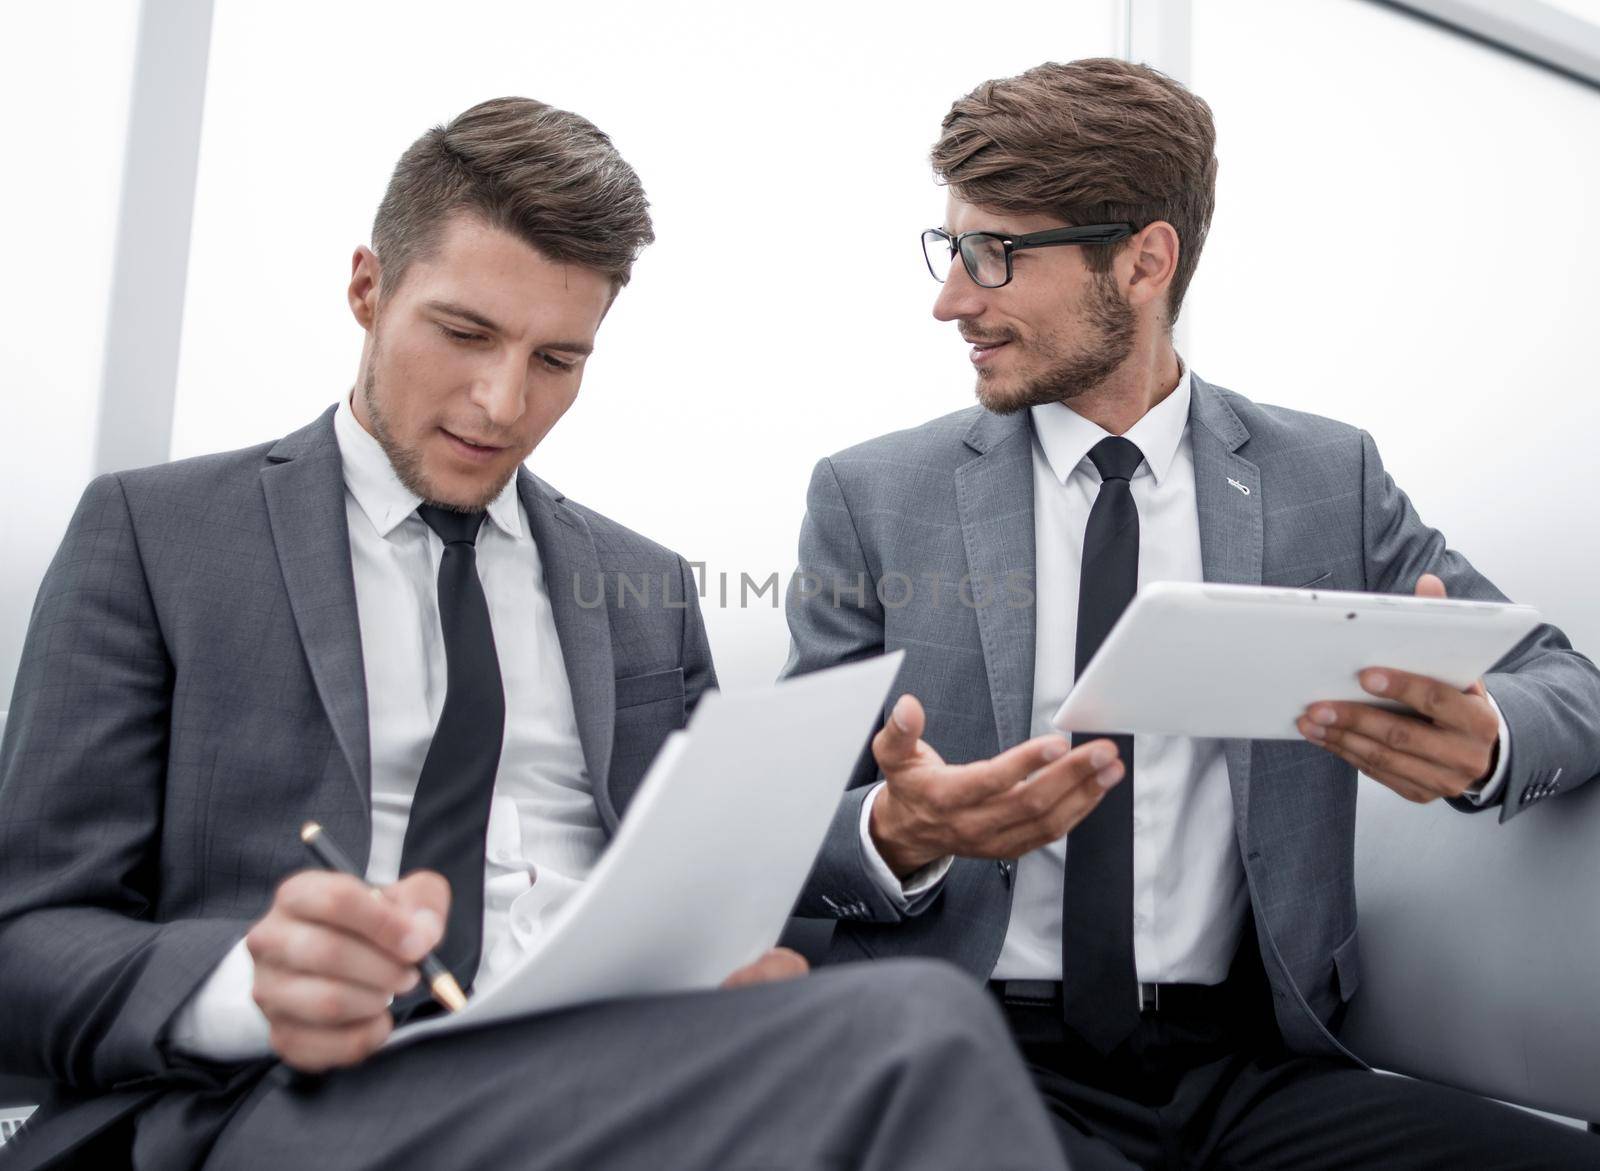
(1586,9)
(1406,239)
(749,343)
(65,69)
(1350,272)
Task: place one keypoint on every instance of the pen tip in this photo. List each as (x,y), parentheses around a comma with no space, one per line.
(309,830)
(448,992)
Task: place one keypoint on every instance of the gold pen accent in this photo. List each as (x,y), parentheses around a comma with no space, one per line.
(440,982)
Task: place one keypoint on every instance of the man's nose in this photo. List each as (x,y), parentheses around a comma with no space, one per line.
(959,297)
(502,394)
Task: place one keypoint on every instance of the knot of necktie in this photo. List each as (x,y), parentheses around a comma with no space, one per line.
(1116,458)
(453,527)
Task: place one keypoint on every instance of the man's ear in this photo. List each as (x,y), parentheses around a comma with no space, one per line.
(1152,258)
(365,274)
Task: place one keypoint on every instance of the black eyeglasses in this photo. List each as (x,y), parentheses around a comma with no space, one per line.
(987,255)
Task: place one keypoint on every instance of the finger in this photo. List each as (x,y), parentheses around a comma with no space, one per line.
(1405,734)
(1407,789)
(778,964)
(315,1000)
(1062,818)
(1430,585)
(348,904)
(1416,794)
(896,742)
(1029,818)
(314,1050)
(1444,705)
(1375,759)
(1042,759)
(786,963)
(308,948)
(425,896)
(1094,765)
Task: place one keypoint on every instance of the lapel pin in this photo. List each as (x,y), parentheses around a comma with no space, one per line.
(1242,487)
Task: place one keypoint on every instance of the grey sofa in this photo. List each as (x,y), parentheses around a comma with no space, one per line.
(1480,948)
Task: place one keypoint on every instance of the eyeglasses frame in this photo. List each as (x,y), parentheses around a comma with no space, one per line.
(1083,234)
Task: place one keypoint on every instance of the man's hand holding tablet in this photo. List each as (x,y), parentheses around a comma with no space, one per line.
(1244,662)
(1447,744)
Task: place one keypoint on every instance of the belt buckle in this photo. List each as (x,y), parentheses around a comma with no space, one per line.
(1149,998)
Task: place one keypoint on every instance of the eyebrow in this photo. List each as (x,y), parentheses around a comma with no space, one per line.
(478,319)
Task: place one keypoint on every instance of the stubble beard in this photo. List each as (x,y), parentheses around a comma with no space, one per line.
(1110,326)
(406,461)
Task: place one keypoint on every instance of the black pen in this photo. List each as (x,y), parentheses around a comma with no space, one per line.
(445,989)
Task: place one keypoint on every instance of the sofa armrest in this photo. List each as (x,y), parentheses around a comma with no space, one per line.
(1481,948)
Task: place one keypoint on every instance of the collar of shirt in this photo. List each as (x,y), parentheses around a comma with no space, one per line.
(371,479)
(1067,436)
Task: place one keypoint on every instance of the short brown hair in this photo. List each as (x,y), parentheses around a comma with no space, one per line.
(545,175)
(1091,142)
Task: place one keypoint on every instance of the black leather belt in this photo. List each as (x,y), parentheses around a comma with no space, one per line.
(1178,999)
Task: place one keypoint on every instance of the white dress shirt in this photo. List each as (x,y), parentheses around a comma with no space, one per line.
(1189,891)
(544,834)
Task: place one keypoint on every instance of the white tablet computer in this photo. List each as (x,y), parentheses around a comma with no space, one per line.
(1231,661)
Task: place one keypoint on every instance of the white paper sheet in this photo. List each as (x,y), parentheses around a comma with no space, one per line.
(711,855)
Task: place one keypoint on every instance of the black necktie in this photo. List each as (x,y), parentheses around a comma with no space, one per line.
(450,812)
(1100,993)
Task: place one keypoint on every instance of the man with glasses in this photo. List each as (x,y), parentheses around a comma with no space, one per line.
(1169,923)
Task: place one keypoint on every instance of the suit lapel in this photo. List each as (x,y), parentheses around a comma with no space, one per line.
(994,497)
(576,587)
(1227,491)
(304,487)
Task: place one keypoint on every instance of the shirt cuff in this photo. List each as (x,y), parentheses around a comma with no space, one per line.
(918,886)
(221,1021)
(1487,792)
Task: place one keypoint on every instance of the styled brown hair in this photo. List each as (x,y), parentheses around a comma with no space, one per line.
(1090,142)
(547,176)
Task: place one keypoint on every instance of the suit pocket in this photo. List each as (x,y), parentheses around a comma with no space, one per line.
(1316,581)
(636,690)
(649,709)
(1347,967)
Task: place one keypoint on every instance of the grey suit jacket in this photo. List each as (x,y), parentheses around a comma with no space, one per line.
(191,689)
(954,498)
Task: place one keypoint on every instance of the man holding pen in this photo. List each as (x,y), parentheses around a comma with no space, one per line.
(375,623)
